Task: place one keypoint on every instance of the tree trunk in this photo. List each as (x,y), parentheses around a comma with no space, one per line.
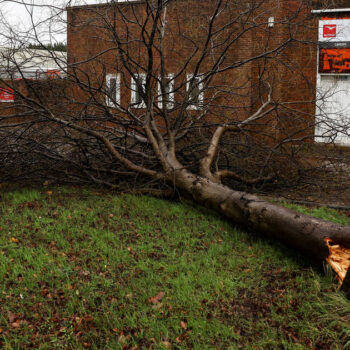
(321,240)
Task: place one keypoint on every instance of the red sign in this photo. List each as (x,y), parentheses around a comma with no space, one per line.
(53,73)
(330,31)
(7,95)
(334,61)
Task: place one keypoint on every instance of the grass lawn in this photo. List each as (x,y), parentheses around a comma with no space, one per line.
(81,269)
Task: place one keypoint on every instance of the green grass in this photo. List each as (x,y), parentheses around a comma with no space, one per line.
(78,269)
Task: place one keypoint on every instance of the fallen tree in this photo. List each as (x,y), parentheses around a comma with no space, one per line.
(321,240)
(91,132)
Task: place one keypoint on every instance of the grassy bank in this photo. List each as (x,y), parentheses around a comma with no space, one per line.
(81,269)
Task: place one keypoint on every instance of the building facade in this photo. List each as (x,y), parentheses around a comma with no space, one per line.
(17,65)
(296,52)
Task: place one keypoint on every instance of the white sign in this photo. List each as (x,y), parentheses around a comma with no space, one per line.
(334,30)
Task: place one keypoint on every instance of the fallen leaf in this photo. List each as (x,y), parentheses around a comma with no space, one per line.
(157,306)
(183,325)
(11,316)
(157,298)
(19,323)
(88,318)
(130,250)
(122,339)
(167,344)
(30,205)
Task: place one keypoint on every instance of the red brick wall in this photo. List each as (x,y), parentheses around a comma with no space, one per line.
(51,93)
(290,70)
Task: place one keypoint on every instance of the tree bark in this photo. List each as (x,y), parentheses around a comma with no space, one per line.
(318,239)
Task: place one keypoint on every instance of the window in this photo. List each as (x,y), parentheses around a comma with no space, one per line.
(168,96)
(137,89)
(196,94)
(112,90)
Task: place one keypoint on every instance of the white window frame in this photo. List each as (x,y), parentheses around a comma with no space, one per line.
(171,95)
(201,95)
(110,102)
(142,104)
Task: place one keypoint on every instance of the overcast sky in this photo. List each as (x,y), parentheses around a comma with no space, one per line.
(17,14)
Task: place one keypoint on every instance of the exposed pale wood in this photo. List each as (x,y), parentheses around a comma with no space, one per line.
(339,259)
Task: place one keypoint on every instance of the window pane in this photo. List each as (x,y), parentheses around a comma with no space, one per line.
(167,87)
(138,89)
(138,94)
(195,92)
(113,88)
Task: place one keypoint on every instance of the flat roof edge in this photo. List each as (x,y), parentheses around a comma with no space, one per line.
(330,10)
(136,2)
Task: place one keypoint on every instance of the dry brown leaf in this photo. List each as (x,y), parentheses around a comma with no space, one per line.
(157,306)
(157,298)
(122,339)
(11,316)
(183,325)
(167,344)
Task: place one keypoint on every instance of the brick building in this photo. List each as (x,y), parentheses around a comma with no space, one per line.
(299,49)
(28,73)
(31,64)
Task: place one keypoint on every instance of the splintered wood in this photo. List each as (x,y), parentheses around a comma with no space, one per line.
(339,259)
